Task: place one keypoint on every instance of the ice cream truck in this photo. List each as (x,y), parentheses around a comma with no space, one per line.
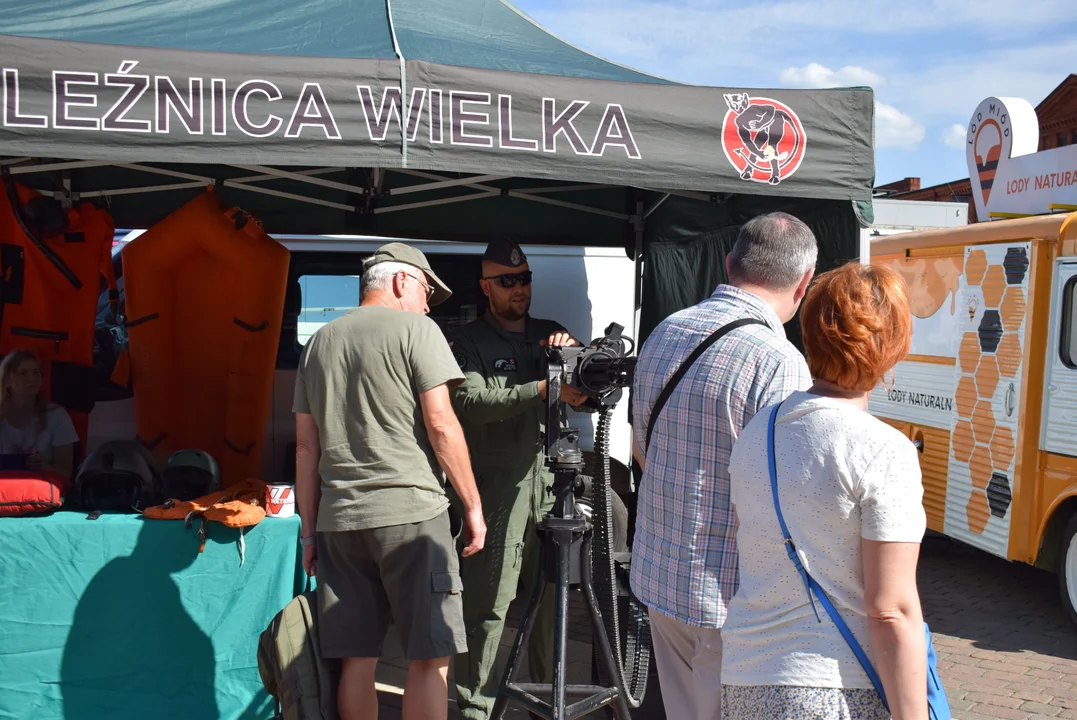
(988,392)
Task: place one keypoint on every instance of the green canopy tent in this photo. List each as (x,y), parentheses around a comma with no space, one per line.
(420,119)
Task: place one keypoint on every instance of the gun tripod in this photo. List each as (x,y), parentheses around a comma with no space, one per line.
(563,532)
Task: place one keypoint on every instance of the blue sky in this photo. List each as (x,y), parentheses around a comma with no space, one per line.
(930,62)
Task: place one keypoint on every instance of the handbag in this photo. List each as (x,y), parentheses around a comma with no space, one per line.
(937,703)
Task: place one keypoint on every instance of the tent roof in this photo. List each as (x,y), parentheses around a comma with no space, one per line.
(486,34)
(449,119)
(409,118)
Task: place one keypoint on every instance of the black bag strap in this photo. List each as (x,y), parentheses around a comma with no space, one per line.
(677,376)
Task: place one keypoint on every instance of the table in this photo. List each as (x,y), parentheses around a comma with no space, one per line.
(122,617)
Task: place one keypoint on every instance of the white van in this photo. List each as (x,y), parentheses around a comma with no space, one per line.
(585,289)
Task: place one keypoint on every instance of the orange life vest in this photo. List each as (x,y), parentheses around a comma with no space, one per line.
(50,286)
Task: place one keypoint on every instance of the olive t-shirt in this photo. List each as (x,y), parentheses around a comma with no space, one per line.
(360,377)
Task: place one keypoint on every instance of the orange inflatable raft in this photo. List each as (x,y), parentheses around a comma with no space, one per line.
(204,292)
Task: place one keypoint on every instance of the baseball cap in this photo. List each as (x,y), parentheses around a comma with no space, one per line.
(399,252)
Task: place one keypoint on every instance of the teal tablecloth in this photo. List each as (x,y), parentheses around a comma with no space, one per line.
(121,617)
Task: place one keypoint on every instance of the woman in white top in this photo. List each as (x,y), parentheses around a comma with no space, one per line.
(29,424)
(851,495)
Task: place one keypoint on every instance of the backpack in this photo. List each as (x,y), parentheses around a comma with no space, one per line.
(303,684)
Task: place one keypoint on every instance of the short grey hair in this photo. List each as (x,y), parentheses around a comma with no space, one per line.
(773,251)
(380,276)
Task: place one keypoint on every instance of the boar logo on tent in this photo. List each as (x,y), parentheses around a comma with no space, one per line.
(762,138)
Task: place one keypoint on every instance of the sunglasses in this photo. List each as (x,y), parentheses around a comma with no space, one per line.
(509,280)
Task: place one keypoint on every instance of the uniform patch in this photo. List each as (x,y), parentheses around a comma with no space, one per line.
(505,364)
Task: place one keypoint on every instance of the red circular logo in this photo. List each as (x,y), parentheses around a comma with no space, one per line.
(762,138)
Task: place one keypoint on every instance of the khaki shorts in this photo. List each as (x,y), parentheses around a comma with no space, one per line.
(402,575)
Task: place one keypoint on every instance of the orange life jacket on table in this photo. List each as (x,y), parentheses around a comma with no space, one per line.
(51,264)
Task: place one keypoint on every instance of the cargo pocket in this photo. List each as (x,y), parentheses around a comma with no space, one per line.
(444,581)
(447,635)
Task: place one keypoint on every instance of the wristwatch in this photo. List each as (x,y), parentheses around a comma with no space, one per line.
(306,541)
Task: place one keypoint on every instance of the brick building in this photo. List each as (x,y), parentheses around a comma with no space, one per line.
(1057,115)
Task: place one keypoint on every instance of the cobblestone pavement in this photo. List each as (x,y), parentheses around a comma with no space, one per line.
(1006,650)
(1006,647)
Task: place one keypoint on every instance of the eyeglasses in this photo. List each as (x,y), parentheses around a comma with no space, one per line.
(429,288)
(509,280)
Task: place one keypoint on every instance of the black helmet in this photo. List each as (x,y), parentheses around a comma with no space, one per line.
(190,474)
(119,476)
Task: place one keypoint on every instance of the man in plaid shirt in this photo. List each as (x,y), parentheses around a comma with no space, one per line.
(684,554)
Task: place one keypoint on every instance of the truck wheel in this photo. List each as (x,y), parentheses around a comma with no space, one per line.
(1067,568)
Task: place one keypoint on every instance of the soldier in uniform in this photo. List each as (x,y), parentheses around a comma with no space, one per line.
(502,408)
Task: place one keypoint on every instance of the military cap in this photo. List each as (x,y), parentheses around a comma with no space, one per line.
(399,252)
(504,251)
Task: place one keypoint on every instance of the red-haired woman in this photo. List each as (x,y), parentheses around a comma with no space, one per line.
(30,425)
(850,492)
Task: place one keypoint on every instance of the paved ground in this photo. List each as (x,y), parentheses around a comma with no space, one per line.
(1006,649)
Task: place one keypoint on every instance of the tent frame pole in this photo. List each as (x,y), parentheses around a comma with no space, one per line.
(432,203)
(462,182)
(639,222)
(310,176)
(288,196)
(563,188)
(51,167)
(139,190)
(703,197)
(288,175)
(526,196)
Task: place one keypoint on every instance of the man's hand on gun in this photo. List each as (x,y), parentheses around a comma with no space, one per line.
(570,395)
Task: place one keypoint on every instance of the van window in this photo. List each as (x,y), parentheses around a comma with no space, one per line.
(325,298)
(1068,346)
(323,286)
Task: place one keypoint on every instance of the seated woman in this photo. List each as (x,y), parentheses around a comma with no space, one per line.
(29,424)
(851,495)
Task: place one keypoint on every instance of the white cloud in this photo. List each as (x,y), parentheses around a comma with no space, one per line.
(719,31)
(814,75)
(895,129)
(955,87)
(954,136)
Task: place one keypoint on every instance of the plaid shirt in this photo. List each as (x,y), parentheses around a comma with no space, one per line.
(684,554)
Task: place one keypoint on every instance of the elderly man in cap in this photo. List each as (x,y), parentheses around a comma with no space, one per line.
(375,431)
(502,407)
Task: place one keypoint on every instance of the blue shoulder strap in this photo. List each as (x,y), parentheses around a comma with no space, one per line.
(810,585)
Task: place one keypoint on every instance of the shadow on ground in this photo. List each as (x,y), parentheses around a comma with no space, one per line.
(994,603)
